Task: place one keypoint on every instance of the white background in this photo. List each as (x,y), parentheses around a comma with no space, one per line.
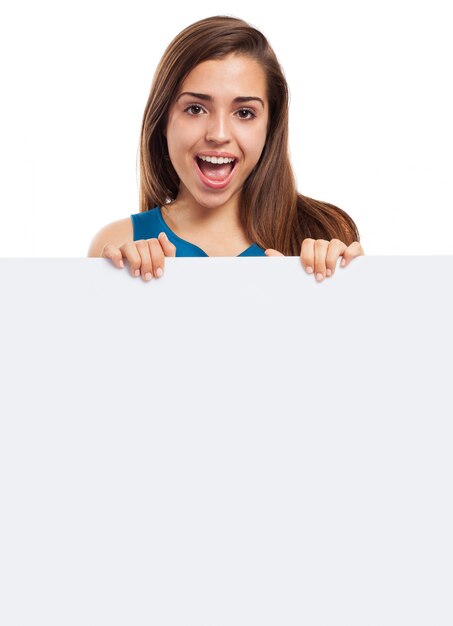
(370,126)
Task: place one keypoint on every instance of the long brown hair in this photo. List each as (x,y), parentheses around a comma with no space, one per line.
(272,212)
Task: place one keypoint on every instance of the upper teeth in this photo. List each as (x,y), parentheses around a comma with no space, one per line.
(213,159)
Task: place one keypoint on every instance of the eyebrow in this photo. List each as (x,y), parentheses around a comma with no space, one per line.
(203,96)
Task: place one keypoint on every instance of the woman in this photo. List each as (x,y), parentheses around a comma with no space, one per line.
(215,173)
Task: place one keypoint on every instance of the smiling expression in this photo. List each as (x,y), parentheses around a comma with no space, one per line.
(228,114)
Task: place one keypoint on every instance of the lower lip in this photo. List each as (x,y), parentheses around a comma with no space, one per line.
(212,184)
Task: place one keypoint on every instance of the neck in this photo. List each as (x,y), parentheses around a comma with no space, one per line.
(186,213)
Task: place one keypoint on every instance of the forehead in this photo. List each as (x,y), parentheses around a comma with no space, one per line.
(232,73)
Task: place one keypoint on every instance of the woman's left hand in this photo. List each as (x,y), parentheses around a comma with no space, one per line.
(320,256)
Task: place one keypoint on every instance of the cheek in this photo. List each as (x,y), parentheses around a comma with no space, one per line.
(253,140)
(182,136)
(255,150)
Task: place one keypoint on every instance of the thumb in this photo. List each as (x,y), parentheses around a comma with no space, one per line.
(272,252)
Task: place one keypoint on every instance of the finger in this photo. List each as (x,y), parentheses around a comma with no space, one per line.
(146,261)
(110,251)
(167,246)
(157,257)
(307,255)
(272,252)
(320,250)
(351,252)
(334,251)
(130,252)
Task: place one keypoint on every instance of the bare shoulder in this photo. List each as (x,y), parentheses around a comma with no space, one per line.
(116,232)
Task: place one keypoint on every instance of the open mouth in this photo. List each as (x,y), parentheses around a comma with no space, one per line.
(215,175)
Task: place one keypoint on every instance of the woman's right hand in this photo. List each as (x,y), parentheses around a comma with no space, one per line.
(145,256)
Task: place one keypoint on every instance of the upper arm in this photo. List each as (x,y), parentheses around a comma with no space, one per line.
(117,233)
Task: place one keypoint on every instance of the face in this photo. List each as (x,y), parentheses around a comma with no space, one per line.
(228,115)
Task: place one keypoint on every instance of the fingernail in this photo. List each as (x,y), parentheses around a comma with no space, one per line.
(148,276)
(165,236)
(137,273)
(121,264)
(159,272)
(343,262)
(328,272)
(309,270)
(319,276)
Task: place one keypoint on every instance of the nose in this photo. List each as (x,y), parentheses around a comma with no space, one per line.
(218,129)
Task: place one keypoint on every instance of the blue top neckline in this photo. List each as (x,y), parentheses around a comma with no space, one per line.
(172,234)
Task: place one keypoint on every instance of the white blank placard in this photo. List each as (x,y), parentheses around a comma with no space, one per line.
(233,443)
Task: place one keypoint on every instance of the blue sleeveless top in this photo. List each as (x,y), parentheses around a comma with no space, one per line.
(148,224)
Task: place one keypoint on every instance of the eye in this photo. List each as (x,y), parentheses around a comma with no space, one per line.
(247,111)
(193,106)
